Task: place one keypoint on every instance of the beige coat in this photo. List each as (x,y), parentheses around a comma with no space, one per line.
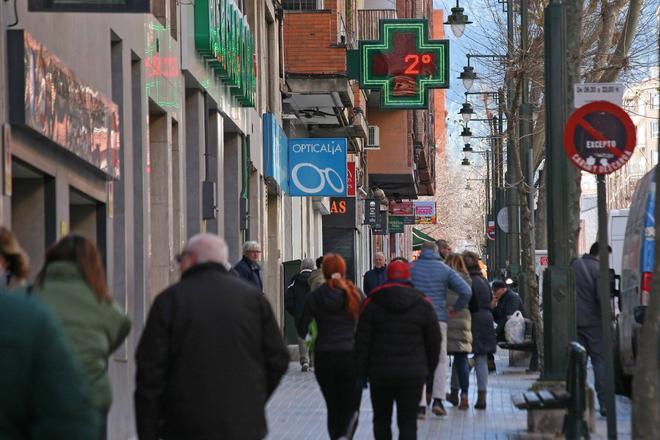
(459,328)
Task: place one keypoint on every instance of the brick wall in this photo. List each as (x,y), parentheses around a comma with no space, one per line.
(310,41)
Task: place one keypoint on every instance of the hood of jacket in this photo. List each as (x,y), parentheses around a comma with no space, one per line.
(329,299)
(428,254)
(304,275)
(396,296)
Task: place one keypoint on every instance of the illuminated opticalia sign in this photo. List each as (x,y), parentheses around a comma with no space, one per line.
(404,64)
(223,38)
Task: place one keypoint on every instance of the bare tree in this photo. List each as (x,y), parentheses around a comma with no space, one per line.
(604,42)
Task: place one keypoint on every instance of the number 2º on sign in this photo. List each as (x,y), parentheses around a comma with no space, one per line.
(413,61)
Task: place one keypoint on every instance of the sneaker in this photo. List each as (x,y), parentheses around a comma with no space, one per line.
(437,408)
(421,413)
(304,367)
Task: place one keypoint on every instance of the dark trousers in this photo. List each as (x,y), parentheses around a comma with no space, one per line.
(591,338)
(103,425)
(405,392)
(336,375)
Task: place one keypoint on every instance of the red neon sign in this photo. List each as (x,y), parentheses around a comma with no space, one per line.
(161,67)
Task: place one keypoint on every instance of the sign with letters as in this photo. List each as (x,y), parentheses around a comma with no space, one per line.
(317,167)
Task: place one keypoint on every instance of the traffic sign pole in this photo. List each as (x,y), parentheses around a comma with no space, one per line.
(599,138)
(605,307)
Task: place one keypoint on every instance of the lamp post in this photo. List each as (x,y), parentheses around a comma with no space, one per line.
(457,20)
(558,279)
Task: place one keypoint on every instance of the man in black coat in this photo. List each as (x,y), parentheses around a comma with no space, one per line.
(397,346)
(376,276)
(248,267)
(505,303)
(294,302)
(588,317)
(210,355)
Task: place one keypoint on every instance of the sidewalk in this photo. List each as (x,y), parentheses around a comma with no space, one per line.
(297,410)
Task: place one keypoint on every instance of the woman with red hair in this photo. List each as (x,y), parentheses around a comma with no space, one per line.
(335,306)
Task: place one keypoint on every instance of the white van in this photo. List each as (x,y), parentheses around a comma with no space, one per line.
(636,272)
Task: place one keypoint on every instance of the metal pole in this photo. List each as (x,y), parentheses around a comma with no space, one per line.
(605,306)
(513,198)
(559,279)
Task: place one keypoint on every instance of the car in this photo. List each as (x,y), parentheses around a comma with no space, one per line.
(636,275)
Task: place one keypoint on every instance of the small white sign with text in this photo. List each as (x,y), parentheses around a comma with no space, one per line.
(589,92)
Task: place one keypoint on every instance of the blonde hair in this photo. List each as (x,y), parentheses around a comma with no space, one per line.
(455,261)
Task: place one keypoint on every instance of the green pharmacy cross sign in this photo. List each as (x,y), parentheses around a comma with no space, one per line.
(403,65)
(224,40)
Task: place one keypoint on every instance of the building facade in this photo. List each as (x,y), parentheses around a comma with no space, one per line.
(642,102)
(138,131)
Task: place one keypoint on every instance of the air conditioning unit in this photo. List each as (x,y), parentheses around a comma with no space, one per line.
(373,138)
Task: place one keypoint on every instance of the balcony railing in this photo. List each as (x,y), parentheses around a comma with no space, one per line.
(368,20)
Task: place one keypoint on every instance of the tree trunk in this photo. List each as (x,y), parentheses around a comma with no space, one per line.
(646,381)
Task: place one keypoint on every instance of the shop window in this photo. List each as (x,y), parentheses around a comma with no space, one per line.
(87,218)
(301,5)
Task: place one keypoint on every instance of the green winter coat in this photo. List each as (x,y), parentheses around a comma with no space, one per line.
(43,393)
(94,328)
(459,328)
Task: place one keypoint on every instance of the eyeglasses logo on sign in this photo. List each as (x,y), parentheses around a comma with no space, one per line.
(317,167)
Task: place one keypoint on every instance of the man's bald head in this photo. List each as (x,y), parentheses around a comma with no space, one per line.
(204,248)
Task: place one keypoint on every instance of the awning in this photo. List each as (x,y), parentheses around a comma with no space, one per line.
(419,238)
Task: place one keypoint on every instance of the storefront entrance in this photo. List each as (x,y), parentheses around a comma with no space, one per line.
(33,211)
(87,218)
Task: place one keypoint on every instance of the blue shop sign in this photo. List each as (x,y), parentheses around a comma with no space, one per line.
(317,167)
(276,150)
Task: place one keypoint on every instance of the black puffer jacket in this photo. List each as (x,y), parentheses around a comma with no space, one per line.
(296,294)
(483,331)
(398,335)
(336,326)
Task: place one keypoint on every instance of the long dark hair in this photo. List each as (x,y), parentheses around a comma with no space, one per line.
(334,270)
(82,252)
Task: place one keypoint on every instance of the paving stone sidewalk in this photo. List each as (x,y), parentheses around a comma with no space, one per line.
(297,410)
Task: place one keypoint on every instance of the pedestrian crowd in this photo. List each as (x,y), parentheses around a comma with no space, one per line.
(212,354)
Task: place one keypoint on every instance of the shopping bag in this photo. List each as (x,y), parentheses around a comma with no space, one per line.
(514,329)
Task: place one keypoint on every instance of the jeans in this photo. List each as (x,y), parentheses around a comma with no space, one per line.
(460,373)
(302,351)
(405,393)
(591,338)
(336,375)
(481,368)
(440,373)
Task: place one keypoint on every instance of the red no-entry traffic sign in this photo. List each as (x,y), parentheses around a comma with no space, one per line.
(599,137)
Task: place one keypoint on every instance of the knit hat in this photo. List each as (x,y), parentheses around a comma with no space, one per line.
(398,270)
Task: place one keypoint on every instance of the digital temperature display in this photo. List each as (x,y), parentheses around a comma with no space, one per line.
(404,64)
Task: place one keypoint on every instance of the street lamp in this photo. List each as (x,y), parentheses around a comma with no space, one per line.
(465,161)
(467,149)
(468,76)
(466,134)
(466,112)
(457,20)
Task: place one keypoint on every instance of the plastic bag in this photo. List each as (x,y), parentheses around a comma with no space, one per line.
(514,329)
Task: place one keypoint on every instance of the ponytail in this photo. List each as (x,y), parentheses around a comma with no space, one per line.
(351,293)
(334,270)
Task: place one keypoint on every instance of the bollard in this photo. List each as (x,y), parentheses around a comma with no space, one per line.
(575,427)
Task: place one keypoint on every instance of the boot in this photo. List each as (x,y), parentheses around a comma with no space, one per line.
(452,397)
(481,400)
(464,401)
